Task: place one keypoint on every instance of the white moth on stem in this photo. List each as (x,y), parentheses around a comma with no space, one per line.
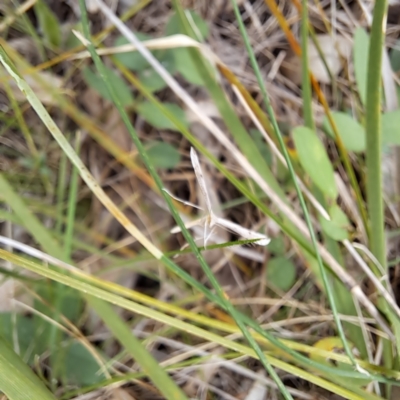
(211,220)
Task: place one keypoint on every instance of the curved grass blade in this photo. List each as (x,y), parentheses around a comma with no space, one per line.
(17,381)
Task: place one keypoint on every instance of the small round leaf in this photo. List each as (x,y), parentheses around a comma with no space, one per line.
(277,246)
(132,60)
(151,114)
(391,128)
(97,83)
(163,155)
(81,368)
(150,78)
(350,131)
(336,228)
(198,24)
(186,66)
(281,273)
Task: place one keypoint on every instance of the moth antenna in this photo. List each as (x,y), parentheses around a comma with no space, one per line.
(186,203)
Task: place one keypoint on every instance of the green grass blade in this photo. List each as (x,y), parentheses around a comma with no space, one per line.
(60,192)
(373,132)
(17,381)
(73,193)
(47,242)
(377,242)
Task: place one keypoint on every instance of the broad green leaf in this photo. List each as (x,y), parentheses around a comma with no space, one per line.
(336,228)
(351,132)
(186,66)
(44,333)
(150,78)
(81,369)
(153,116)
(38,163)
(281,273)
(183,61)
(198,24)
(163,155)
(30,342)
(360,55)
(120,86)
(48,23)
(132,60)
(277,246)
(314,160)
(136,62)
(391,128)
(167,59)
(72,305)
